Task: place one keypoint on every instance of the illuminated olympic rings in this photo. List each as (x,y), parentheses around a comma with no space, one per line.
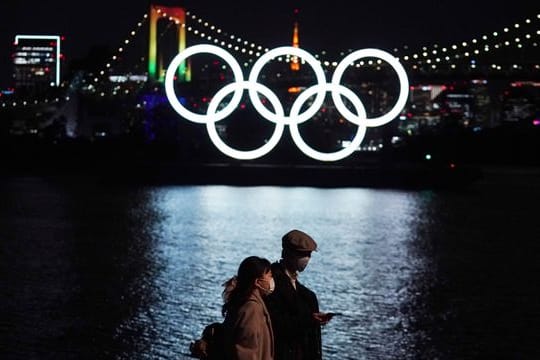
(279,117)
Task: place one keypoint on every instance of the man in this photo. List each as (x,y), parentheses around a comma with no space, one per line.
(293,308)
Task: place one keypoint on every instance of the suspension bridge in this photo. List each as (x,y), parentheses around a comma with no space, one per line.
(125,96)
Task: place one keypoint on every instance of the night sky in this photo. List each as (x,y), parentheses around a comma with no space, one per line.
(342,25)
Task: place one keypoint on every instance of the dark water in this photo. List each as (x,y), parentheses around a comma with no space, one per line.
(97,271)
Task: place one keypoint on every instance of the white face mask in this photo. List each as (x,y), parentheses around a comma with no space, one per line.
(270,289)
(301,263)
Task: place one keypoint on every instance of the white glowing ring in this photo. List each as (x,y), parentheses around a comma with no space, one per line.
(239,87)
(319,74)
(278,117)
(358,119)
(171,94)
(403,82)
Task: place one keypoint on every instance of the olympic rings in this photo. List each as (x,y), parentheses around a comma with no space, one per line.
(278,116)
(357,119)
(402,76)
(319,74)
(252,154)
(169,82)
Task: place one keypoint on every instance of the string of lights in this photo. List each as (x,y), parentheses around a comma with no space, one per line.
(433,56)
(465,54)
(95,79)
(518,36)
(25,103)
(115,57)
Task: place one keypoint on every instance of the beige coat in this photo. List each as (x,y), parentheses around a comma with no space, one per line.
(252,331)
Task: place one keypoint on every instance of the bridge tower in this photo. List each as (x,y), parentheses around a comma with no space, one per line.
(156,70)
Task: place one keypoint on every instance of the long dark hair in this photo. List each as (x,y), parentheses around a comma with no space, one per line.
(250,269)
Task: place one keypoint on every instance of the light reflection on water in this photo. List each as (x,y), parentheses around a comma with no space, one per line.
(92,271)
(202,234)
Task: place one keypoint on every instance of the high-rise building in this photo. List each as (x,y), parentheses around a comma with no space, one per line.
(36,63)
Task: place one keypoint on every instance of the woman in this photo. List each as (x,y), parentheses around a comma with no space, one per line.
(248,328)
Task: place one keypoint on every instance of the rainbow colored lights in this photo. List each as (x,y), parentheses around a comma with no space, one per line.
(178,15)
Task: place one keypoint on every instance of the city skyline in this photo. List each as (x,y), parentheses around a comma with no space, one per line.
(344,26)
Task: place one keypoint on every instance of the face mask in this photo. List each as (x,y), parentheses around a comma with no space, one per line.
(301,263)
(270,289)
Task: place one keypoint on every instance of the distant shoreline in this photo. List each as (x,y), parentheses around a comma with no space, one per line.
(122,162)
(241,174)
(510,175)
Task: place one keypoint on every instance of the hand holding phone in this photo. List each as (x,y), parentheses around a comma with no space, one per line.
(324,318)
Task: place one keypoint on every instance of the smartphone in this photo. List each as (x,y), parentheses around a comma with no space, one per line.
(332,314)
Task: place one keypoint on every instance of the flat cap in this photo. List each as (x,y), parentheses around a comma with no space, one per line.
(298,241)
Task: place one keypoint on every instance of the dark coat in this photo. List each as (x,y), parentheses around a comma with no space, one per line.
(297,336)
